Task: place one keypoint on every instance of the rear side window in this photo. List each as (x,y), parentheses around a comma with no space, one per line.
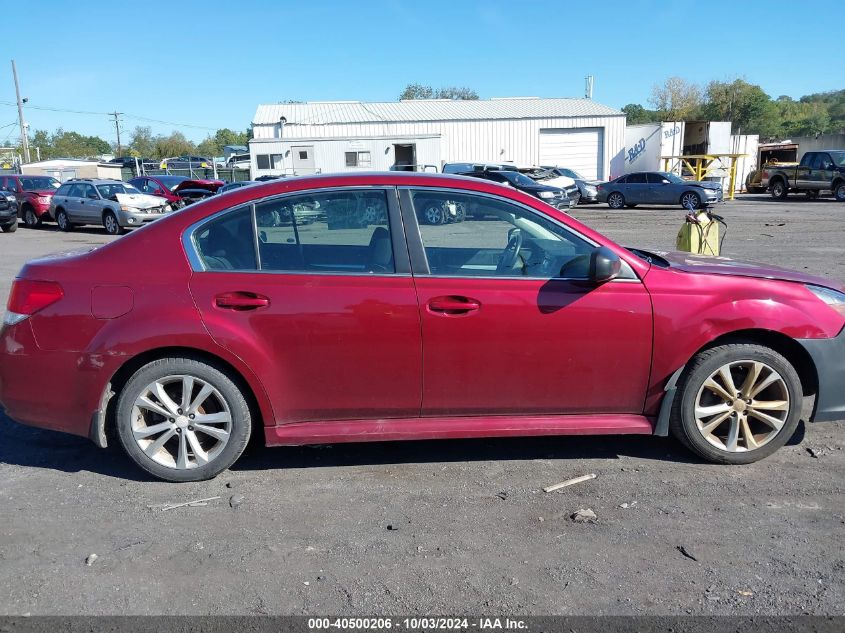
(332,231)
(63,190)
(228,242)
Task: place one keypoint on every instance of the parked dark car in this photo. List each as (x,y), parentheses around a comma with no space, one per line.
(553,196)
(817,172)
(587,188)
(236,185)
(130,162)
(8,212)
(463,168)
(187,162)
(180,340)
(33,195)
(658,187)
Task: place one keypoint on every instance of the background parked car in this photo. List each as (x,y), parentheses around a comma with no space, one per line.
(113,203)
(554,196)
(658,187)
(8,212)
(176,190)
(238,161)
(817,172)
(548,176)
(186,162)
(32,195)
(587,188)
(236,185)
(463,168)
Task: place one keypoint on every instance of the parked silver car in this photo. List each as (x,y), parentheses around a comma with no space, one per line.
(113,203)
(658,187)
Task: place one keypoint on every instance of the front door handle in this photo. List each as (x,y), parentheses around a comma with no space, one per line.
(241,301)
(453,305)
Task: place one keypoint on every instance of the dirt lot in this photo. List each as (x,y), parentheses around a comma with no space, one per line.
(442,527)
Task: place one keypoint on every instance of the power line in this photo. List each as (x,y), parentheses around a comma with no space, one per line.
(110,114)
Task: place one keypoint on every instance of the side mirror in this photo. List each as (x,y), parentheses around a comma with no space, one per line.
(605,265)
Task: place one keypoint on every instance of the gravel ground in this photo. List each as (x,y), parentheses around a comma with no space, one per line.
(442,527)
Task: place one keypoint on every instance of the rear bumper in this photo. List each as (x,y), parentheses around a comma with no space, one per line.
(829,358)
(53,390)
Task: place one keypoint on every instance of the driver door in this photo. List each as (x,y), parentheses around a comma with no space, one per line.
(509,324)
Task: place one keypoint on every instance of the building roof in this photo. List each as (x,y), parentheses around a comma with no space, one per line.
(329,112)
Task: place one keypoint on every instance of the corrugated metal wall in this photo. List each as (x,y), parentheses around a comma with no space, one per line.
(514,140)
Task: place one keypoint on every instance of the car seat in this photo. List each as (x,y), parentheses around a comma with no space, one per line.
(380,258)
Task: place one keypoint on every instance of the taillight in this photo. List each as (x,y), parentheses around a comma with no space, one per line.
(29,296)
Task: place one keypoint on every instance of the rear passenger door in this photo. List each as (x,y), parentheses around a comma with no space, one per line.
(636,189)
(88,209)
(314,292)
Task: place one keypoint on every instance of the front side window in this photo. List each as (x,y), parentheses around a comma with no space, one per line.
(657,179)
(333,231)
(228,242)
(470,235)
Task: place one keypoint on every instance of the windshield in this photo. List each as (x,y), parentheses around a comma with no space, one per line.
(171,181)
(672,178)
(570,173)
(39,182)
(107,191)
(515,178)
(838,158)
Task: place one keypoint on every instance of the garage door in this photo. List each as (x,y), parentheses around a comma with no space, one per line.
(581,149)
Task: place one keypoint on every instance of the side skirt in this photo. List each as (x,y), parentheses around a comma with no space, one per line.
(332,432)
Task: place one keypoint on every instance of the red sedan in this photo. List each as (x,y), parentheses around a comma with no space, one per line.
(323,309)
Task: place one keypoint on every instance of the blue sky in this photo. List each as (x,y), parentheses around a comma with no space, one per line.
(208,64)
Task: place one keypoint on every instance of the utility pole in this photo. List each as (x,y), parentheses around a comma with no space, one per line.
(117,129)
(24,139)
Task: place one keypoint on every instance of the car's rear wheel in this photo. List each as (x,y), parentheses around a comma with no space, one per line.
(779,189)
(181,419)
(111,224)
(616,200)
(434,214)
(31,220)
(63,221)
(690,200)
(737,403)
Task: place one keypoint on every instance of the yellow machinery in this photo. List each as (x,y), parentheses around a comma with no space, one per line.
(703,165)
(700,233)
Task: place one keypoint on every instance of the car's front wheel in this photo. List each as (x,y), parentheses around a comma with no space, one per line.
(736,403)
(111,224)
(181,419)
(839,192)
(31,220)
(63,221)
(690,200)
(616,200)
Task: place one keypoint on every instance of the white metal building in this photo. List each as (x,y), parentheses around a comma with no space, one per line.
(423,134)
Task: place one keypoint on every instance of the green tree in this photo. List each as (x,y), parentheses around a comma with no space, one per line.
(676,99)
(420,91)
(174,145)
(142,142)
(637,114)
(213,145)
(746,105)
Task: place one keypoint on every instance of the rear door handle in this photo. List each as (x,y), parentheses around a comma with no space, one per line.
(241,301)
(453,305)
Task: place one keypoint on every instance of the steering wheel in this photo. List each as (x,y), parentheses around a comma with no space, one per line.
(578,264)
(507,260)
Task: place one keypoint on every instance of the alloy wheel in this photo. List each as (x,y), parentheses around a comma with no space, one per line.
(690,201)
(181,422)
(111,224)
(30,219)
(61,220)
(616,201)
(434,215)
(742,406)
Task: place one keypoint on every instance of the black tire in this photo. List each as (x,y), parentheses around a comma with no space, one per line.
(241,419)
(11,228)
(111,224)
(30,220)
(630,206)
(682,422)
(63,221)
(839,191)
(690,199)
(779,189)
(434,214)
(615,200)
